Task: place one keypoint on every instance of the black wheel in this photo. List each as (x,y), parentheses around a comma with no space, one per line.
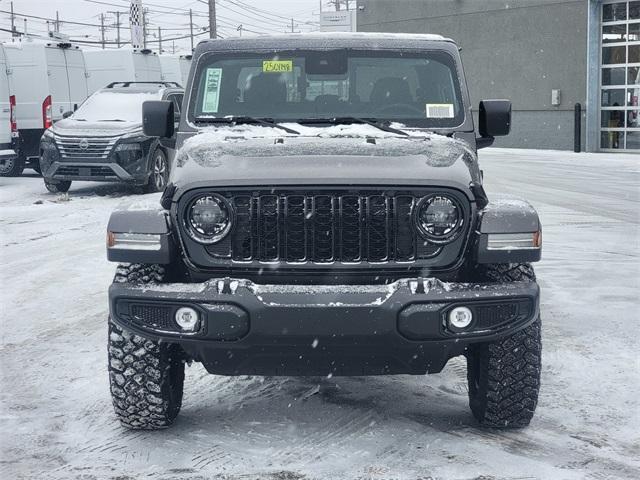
(146,377)
(159,176)
(11,167)
(57,186)
(504,375)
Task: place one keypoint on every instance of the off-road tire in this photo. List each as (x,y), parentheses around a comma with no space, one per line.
(159,172)
(12,167)
(61,186)
(504,375)
(146,377)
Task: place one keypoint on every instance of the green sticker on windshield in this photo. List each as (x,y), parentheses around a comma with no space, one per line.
(211,97)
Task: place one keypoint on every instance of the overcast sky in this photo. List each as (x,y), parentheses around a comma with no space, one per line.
(255,16)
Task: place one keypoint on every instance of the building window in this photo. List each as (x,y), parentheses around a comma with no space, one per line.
(620,76)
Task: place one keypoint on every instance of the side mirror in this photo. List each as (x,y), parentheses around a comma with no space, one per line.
(158,118)
(67,114)
(494,118)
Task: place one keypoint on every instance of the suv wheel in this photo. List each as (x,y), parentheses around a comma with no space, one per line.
(11,167)
(146,377)
(59,186)
(504,375)
(159,176)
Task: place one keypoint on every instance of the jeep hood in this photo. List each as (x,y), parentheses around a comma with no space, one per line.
(226,157)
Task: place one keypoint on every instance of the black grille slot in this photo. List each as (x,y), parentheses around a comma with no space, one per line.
(153,316)
(351,228)
(323,223)
(268,219)
(405,242)
(378,226)
(325,227)
(84,171)
(242,242)
(295,215)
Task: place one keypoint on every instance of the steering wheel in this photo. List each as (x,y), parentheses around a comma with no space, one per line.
(400,108)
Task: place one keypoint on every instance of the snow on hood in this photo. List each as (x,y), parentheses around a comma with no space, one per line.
(207,148)
(74,128)
(338,154)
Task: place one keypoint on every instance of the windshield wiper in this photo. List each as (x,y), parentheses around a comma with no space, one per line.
(342,120)
(267,122)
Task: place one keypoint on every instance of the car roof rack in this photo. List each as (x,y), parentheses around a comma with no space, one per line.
(128,84)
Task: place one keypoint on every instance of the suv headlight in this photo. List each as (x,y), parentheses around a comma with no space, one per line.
(439,218)
(208,219)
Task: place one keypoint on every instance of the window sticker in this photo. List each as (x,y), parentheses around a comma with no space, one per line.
(440,110)
(277,66)
(211,90)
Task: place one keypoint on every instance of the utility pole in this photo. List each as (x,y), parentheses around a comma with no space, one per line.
(13,23)
(117,25)
(159,40)
(173,44)
(239,29)
(213,28)
(118,28)
(25,27)
(144,28)
(102,28)
(191,27)
(292,26)
(57,22)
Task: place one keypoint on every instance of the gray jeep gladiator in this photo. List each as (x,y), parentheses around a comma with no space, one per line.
(325,216)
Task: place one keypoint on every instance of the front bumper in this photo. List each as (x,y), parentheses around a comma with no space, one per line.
(250,329)
(89,171)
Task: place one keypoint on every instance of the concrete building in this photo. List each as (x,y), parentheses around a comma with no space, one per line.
(544,55)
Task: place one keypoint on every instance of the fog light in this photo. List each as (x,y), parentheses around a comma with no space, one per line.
(460,318)
(187,318)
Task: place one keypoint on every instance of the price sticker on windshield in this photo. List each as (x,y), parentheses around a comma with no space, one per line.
(277,66)
(440,110)
(211,97)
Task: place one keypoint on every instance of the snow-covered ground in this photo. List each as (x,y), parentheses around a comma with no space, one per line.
(56,420)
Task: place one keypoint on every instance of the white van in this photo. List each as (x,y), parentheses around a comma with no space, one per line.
(175,68)
(125,65)
(49,79)
(8,130)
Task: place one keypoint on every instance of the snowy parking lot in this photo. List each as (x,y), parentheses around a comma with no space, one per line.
(56,416)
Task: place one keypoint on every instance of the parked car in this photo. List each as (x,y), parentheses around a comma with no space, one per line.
(49,79)
(9,165)
(108,66)
(326,216)
(103,140)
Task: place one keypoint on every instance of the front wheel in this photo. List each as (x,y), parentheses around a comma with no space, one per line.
(11,167)
(159,176)
(60,186)
(504,375)
(146,377)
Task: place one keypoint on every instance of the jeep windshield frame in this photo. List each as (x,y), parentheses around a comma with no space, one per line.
(421,89)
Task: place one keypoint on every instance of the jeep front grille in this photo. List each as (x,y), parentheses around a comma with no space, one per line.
(324,228)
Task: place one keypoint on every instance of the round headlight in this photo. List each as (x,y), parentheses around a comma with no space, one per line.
(208,219)
(439,218)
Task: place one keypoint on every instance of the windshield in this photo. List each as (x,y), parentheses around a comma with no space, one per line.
(114,107)
(419,90)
